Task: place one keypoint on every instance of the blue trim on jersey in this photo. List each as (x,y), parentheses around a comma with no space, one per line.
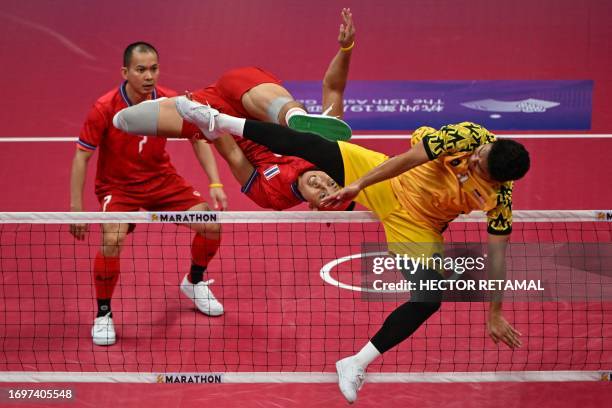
(124,95)
(247,186)
(86,145)
(296,192)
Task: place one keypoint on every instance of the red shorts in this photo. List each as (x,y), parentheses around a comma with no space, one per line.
(172,194)
(225,95)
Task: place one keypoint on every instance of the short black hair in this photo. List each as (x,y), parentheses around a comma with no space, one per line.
(508,160)
(139,46)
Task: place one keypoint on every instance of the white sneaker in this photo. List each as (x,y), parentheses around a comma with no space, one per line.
(202,296)
(202,116)
(103,331)
(350,378)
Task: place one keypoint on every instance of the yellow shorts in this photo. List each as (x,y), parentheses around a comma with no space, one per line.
(400,227)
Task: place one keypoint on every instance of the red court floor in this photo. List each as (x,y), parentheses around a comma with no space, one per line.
(60,56)
(280,315)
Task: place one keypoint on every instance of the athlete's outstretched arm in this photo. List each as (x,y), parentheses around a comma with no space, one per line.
(334,81)
(392,167)
(321,152)
(497,326)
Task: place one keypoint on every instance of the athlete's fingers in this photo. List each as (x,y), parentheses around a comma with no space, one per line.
(330,199)
(78,231)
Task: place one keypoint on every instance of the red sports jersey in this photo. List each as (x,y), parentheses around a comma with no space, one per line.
(273,183)
(126,162)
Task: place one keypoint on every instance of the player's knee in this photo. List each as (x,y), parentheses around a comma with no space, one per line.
(212,231)
(428,308)
(138,119)
(112,244)
(208,231)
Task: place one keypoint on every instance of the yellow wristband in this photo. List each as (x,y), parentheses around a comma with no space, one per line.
(215,185)
(350,47)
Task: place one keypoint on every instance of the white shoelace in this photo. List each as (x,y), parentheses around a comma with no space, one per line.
(103,324)
(360,380)
(207,283)
(207,110)
(327,110)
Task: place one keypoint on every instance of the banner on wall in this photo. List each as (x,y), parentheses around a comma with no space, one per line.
(499,105)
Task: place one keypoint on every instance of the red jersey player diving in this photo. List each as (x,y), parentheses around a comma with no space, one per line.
(270,180)
(134,173)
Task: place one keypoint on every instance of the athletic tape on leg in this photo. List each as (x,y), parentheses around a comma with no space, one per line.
(275,107)
(139,119)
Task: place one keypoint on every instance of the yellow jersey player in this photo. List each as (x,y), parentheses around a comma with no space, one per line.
(448,172)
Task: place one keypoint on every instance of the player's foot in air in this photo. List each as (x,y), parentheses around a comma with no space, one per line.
(325,126)
(202,296)
(203,116)
(103,331)
(350,378)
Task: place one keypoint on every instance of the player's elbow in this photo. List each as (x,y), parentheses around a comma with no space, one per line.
(81,157)
(332,86)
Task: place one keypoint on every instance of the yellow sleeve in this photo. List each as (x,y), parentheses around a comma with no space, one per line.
(460,138)
(499,219)
(420,133)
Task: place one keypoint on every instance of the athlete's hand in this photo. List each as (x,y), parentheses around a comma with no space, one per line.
(78,231)
(346,37)
(499,329)
(219,199)
(340,197)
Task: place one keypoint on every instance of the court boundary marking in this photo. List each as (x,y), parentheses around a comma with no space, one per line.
(325,273)
(305,377)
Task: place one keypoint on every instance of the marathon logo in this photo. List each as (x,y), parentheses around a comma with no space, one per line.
(604,216)
(205,378)
(185,217)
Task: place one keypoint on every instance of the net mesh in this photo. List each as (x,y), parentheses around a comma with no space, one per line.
(280,315)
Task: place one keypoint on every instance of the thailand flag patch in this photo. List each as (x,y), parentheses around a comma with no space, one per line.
(271,172)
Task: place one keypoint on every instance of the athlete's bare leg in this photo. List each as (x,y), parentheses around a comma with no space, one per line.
(257,102)
(169,122)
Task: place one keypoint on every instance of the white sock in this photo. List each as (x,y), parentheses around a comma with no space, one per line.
(366,355)
(230,124)
(294,112)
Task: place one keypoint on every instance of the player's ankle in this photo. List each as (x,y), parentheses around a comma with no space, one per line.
(104,307)
(294,111)
(366,355)
(196,274)
(230,124)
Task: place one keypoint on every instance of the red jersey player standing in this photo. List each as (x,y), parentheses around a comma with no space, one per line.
(134,173)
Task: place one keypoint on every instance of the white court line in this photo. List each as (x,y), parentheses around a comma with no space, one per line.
(355,137)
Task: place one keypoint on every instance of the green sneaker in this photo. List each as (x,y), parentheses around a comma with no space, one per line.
(327,127)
